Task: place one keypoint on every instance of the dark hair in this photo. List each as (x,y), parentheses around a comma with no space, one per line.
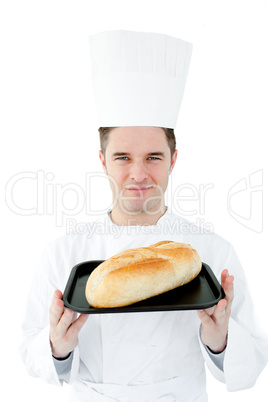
(104,138)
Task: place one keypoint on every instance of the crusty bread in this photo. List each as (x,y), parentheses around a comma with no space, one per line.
(137,274)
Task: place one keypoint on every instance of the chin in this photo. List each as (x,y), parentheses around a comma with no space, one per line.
(136,207)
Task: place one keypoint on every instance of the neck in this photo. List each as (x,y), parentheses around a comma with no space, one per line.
(122,219)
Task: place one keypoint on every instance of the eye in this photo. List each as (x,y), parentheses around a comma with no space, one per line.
(122,158)
(154,158)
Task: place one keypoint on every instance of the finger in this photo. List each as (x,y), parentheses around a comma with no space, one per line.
(78,324)
(222,304)
(56,308)
(224,275)
(65,321)
(58,294)
(204,317)
(75,315)
(227,281)
(210,311)
(228,287)
(220,312)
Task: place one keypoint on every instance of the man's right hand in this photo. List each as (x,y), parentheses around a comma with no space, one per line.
(64,327)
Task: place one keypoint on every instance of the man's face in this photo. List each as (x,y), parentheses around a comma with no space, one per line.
(138,162)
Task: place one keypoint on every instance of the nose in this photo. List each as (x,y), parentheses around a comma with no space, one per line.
(138,172)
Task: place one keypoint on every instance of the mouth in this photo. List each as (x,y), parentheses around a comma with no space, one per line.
(138,190)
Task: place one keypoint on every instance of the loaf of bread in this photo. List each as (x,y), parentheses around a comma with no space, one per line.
(137,274)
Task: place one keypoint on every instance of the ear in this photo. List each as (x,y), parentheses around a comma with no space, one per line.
(102,159)
(173,160)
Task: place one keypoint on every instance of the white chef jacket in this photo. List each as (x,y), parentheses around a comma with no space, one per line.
(150,356)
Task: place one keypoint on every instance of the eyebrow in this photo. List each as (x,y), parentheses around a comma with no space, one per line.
(157,153)
(120,154)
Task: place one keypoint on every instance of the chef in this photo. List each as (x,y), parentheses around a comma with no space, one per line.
(139,80)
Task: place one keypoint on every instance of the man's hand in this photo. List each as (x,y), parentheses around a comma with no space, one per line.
(215,320)
(64,327)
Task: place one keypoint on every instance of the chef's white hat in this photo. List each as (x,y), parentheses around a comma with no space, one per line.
(138,78)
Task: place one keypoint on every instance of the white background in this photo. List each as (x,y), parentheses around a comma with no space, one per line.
(48,125)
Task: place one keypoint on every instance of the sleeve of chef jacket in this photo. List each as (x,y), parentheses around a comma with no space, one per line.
(246,353)
(35,348)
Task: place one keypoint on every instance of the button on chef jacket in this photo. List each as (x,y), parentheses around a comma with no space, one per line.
(150,356)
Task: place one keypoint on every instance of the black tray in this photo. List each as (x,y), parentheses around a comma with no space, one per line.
(201,293)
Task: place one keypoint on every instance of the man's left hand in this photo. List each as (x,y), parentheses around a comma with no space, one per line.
(215,320)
